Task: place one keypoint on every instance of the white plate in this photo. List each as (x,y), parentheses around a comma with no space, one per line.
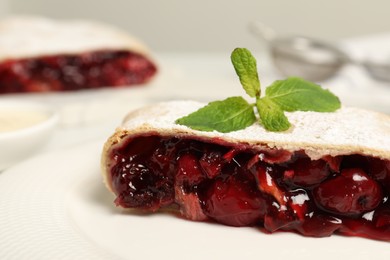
(55,206)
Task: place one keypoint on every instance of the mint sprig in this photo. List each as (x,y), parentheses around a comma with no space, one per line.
(235,113)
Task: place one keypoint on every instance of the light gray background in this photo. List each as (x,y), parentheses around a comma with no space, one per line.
(218,25)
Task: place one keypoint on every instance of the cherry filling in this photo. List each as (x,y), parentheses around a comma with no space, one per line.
(72,72)
(239,186)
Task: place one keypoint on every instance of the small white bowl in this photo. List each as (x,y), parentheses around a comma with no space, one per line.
(20,140)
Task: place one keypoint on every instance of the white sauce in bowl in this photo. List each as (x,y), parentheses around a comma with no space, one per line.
(12,119)
(25,127)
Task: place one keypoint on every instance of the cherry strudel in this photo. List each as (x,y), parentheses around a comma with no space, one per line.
(329,173)
(40,55)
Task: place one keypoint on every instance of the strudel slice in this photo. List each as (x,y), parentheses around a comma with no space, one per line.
(40,55)
(330,173)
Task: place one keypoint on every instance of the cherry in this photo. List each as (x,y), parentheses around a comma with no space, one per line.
(189,204)
(230,155)
(275,156)
(266,183)
(138,182)
(305,172)
(380,171)
(140,147)
(352,192)
(299,203)
(319,225)
(188,170)
(137,186)
(279,219)
(212,163)
(333,162)
(290,213)
(382,216)
(233,202)
(364,228)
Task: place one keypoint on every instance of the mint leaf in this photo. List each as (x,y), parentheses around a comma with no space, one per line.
(271,116)
(295,94)
(228,115)
(245,65)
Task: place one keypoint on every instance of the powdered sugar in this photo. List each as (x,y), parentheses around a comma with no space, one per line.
(347,131)
(27,36)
